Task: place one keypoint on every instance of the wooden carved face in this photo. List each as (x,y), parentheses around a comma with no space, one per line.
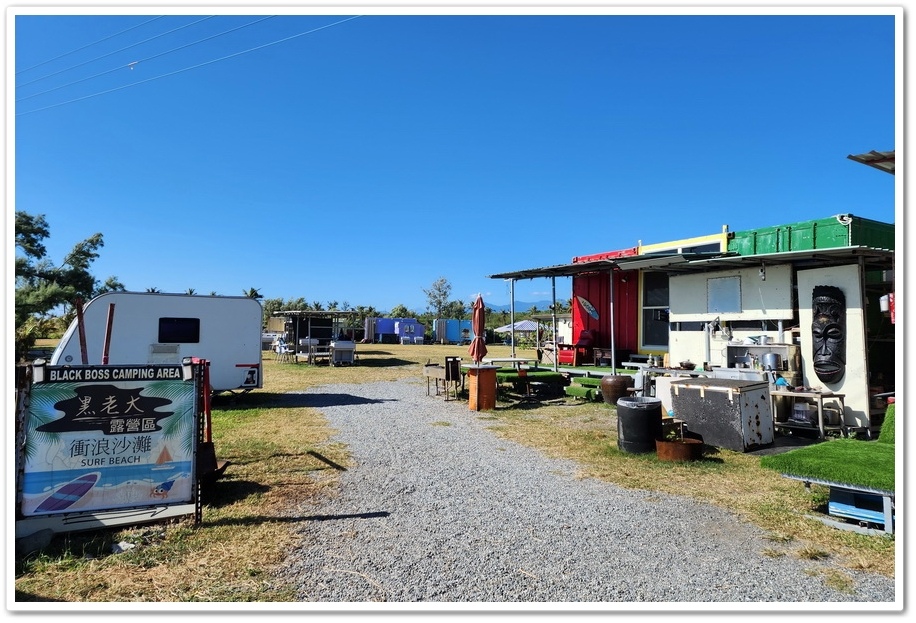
(828,333)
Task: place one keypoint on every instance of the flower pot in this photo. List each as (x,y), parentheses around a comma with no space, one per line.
(679,450)
(613,386)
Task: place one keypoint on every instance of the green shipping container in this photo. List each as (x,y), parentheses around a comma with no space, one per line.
(842,230)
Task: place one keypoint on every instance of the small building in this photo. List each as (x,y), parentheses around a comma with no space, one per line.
(701,299)
(326,326)
(564,330)
(394,330)
(452,331)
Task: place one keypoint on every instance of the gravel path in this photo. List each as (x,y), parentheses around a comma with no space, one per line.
(438,509)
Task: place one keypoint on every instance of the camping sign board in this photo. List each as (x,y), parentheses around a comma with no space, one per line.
(107,445)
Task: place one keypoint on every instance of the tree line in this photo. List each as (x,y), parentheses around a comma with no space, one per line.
(46,294)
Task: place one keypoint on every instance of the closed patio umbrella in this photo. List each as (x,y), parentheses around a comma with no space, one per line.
(478,347)
(477,350)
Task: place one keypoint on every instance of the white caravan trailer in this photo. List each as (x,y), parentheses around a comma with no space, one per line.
(164,328)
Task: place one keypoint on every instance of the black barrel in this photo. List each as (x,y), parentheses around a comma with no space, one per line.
(639,423)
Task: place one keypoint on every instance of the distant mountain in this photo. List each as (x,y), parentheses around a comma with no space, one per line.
(522,306)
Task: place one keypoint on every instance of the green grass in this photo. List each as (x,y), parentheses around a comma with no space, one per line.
(580,391)
(868,464)
(587,381)
(844,461)
(888,428)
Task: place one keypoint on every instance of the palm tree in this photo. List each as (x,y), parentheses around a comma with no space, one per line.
(252,293)
(191,291)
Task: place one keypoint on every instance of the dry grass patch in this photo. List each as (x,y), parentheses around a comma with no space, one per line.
(282,457)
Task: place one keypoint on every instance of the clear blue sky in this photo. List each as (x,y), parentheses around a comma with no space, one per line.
(358,161)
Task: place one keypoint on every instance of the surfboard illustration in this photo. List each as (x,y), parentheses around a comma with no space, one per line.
(70,493)
(588,307)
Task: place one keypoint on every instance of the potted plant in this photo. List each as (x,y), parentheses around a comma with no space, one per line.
(674,447)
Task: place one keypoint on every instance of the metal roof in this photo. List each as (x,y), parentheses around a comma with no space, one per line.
(875,259)
(881,160)
(630,262)
(558,270)
(310,313)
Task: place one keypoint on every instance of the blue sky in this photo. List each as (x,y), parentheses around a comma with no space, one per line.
(359,160)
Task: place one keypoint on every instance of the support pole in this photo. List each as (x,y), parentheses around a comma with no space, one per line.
(81,326)
(553,320)
(107,344)
(613,349)
(512,315)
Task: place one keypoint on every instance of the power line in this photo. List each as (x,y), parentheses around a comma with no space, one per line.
(133,45)
(178,71)
(143,60)
(88,45)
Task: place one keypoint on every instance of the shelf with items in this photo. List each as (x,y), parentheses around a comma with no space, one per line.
(817,400)
(788,353)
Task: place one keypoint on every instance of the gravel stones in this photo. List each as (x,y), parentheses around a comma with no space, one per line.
(439,509)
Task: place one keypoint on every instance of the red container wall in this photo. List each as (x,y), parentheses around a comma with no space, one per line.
(595,288)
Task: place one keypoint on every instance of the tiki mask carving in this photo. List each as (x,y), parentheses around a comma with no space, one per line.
(828,333)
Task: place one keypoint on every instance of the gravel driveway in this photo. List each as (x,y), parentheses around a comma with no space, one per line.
(438,509)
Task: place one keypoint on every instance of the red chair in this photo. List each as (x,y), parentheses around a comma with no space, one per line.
(581,352)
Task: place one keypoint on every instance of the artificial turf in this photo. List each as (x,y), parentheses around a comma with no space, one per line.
(851,462)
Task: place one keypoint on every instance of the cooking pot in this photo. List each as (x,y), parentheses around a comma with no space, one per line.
(771,361)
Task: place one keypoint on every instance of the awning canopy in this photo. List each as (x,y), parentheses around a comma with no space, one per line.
(881,160)
(632,262)
(522,326)
(874,259)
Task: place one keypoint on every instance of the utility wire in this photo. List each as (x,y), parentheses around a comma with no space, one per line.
(85,97)
(168,32)
(143,60)
(88,45)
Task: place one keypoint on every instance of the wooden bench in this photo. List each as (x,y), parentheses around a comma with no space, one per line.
(586,387)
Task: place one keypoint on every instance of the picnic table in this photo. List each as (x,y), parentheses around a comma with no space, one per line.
(516,362)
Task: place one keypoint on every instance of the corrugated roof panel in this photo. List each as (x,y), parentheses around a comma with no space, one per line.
(881,160)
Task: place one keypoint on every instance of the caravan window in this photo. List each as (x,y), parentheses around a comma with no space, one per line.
(179,330)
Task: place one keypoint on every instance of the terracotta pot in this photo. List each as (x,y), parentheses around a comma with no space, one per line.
(613,386)
(679,450)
